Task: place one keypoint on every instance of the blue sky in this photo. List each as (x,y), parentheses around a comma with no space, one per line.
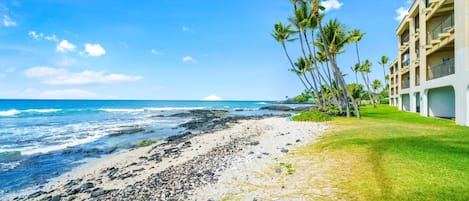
(166,49)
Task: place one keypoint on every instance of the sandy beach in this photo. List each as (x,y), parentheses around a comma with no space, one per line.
(191,167)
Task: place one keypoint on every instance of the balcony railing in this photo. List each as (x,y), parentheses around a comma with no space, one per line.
(406,63)
(444,27)
(441,70)
(405,84)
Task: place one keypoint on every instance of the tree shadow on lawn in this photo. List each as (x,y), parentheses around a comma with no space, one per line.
(435,153)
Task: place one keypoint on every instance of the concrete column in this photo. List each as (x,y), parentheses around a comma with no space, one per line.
(399,102)
(399,67)
(461,102)
(424,103)
(412,65)
(467,106)
(423,42)
(461,19)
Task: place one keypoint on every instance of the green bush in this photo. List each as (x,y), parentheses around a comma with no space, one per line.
(384,101)
(313,115)
(146,143)
(302,98)
(334,111)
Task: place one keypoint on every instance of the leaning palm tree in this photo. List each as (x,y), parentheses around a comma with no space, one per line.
(384,60)
(356,37)
(365,69)
(316,8)
(304,65)
(356,69)
(283,34)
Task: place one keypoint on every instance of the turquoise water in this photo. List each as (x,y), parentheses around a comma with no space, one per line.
(42,139)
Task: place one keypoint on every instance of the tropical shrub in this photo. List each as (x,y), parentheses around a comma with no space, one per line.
(313,115)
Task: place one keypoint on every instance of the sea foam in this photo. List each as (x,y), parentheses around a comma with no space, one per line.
(9,113)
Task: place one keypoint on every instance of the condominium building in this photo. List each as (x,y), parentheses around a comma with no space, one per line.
(431,73)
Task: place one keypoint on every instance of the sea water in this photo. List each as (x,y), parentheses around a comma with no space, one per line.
(42,139)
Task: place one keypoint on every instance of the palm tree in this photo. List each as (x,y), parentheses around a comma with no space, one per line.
(303,66)
(356,37)
(375,86)
(335,69)
(365,69)
(300,20)
(356,69)
(384,60)
(283,34)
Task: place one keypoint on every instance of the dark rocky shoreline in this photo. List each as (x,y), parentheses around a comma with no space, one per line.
(175,182)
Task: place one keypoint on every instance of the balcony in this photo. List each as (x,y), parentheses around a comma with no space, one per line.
(441,30)
(405,63)
(405,84)
(405,40)
(441,70)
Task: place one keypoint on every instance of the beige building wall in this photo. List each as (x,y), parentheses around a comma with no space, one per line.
(446,96)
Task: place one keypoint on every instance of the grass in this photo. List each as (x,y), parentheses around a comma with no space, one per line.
(312,115)
(394,155)
(146,143)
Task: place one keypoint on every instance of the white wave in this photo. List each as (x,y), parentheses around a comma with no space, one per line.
(262,103)
(149,109)
(9,166)
(245,109)
(121,110)
(14,112)
(9,113)
(42,110)
(37,148)
(172,108)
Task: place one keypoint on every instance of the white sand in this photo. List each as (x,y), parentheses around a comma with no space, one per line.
(277,133)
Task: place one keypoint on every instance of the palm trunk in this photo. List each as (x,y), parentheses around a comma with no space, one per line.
(292,65)
(334,97)
(356,77)
(335,69)
(306,57)
(374,95)
(384,76)
(316,90)
(314,60)
(367,87)
(358,53)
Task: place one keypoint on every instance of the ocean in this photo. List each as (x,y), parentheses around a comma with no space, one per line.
(42,139)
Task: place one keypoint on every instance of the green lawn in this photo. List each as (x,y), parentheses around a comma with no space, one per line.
(394,155)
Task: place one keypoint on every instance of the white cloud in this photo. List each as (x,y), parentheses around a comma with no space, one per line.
(59,76)
(52,37)
(401,13)
(35,35)
(212,97)
(94,50)
(66,61)
(156,52)
(65,46)
(39,36)
(67,94)
(188,59)
(8,22)
(331,5)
